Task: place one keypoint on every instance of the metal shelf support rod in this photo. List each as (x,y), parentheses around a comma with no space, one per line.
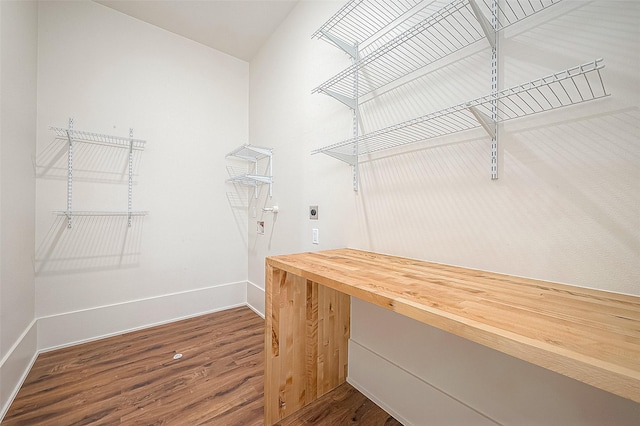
(270,176)
(130,199)
(494,87)
(69,173)
(356,120)
(255,170)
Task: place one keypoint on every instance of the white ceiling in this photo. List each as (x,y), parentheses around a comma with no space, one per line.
(236,27)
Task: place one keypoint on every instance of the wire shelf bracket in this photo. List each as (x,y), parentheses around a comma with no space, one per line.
(485,121)
(71,137)
(489,29)
(572,86)
(342,45)
(348,101)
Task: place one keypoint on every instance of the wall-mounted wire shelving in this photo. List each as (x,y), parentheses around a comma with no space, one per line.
(572,86)
(99,213)
(454,27)
(71,137)
(253,155)
(99,139)
(390,42)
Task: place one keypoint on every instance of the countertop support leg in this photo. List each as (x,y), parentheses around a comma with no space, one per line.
(307,330)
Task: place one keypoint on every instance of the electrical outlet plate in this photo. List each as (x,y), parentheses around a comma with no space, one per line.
(313,212)
(260,227)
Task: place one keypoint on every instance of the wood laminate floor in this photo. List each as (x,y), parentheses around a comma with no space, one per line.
(344,405)
(134,379)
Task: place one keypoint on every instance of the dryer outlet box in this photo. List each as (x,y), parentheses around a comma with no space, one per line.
(313,212)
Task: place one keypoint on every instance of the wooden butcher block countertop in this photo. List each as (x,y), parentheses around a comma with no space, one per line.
(589,335)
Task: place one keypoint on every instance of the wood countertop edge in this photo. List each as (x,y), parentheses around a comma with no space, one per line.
(595,372)
(402,262)
(610,377)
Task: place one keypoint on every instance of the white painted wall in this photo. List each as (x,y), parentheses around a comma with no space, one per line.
(566,207)
(18,55)
(111,72)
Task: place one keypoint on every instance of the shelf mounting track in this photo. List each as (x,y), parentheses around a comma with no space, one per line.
(492,36)
(130,183)
(69,173)
(356,119)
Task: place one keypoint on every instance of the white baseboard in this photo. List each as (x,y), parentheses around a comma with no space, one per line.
(255,298)
(15,366)
(71,328)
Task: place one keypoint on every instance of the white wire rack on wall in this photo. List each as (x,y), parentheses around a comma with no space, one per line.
(573,86)
(253,155)
(408,36)
(437,35)
(71,137)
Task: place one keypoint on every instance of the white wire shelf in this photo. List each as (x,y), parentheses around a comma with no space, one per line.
(448,30)
(253,180)
(100,213)
(98,138)
(359,20)
(250,180)
(569,87)
(250,153)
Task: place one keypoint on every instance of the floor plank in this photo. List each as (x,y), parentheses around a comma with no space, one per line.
(134,379)
(342,406)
